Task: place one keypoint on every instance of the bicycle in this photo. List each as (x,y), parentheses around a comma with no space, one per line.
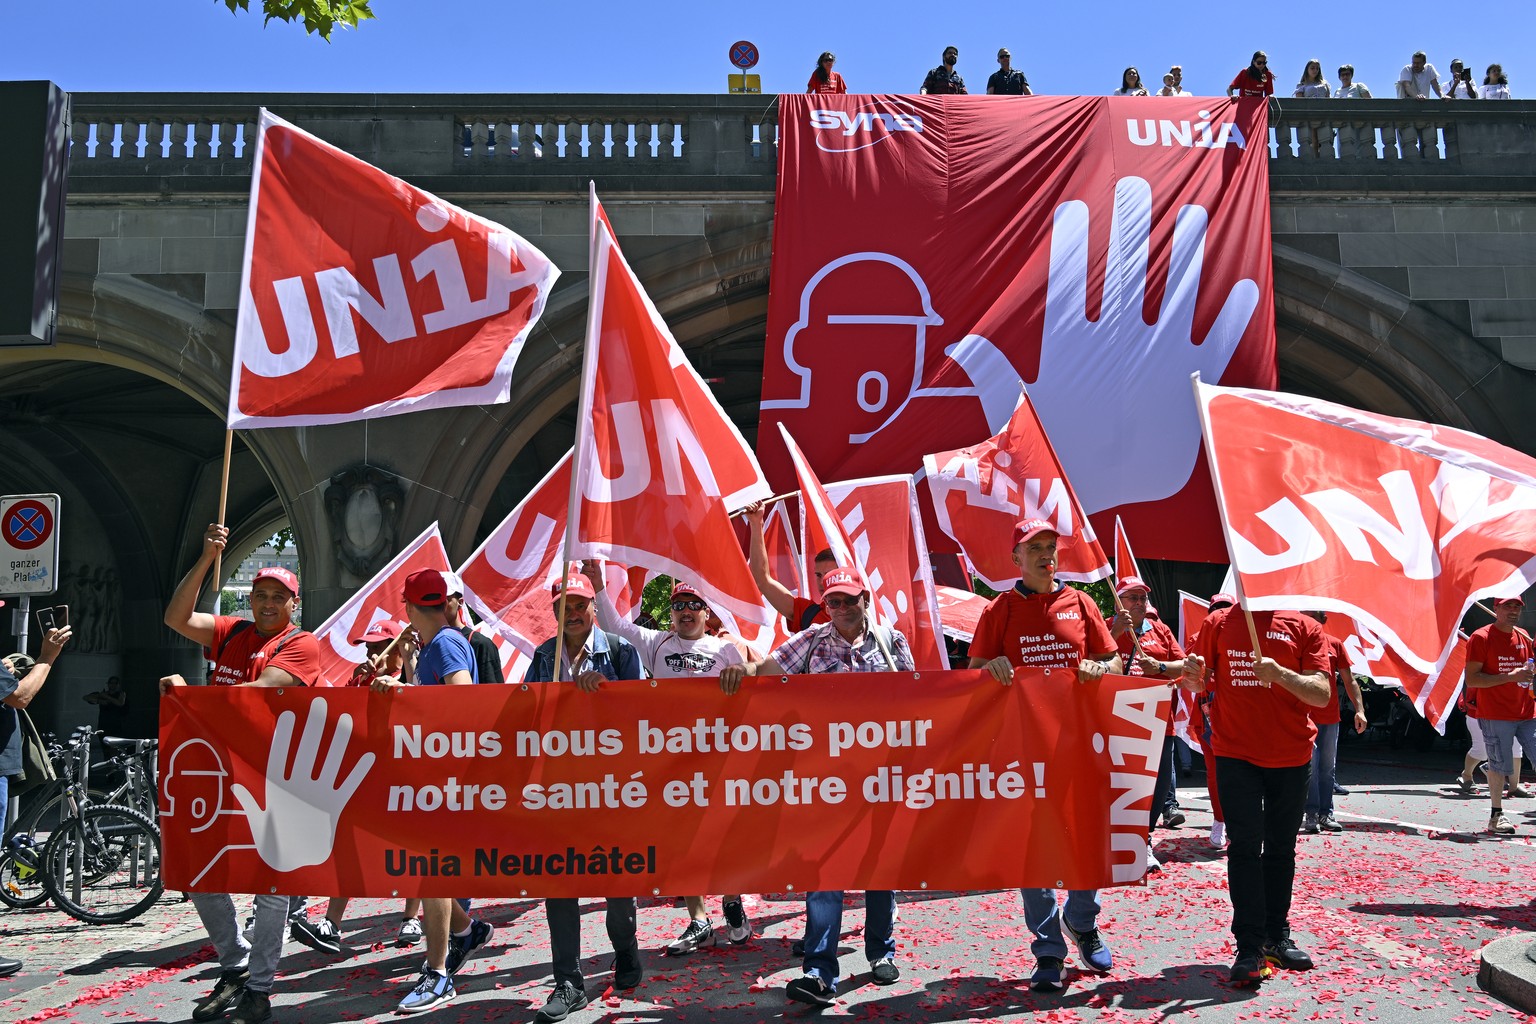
(104,866)
(21,882)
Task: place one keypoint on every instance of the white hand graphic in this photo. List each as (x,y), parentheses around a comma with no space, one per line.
(297,828)
(1114,393)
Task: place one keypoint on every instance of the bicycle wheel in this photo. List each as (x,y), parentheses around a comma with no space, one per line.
(104,867)
(21,883)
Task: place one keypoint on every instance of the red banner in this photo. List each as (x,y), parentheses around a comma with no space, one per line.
(929,253)
(502,791)
(380,598)
(960,610)
(1397,524)
(365,296)
(979,493)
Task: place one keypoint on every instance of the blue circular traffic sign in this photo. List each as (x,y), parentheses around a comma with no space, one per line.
(27,525)
(744,54)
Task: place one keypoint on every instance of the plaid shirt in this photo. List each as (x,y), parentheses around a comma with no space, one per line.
(822,649)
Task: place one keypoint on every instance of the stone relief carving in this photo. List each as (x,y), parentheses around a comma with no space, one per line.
(95,605)
(362,505)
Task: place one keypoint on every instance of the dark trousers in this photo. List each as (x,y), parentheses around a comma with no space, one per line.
(1263,810)
(564,916)
(1165,788)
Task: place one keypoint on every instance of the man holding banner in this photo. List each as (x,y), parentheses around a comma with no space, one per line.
(851,642)
(1043,624)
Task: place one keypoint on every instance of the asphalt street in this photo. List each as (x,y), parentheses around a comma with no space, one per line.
(1394,910)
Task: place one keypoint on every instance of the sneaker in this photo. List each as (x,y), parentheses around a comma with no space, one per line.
(1250,968)
(1499,825)
(1153,864)
(627,969)
(226,991)
(1339,790)
(432,990)
(1047,976)
(410,932)
(698,933)
(809,988)
(1329,824)
(737,928)
(884,971)
(255,1008)
(1173,818)
(321,934)
(1218,835)
(1091,949)
(1309,823)
(1284,953)
(565,998)
(460,946)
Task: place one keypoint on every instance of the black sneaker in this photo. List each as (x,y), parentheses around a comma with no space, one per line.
(809,988)
(1173,818)
(1047,975)
(884,971)
(1284,953)
(226,992)
(797,949)
(320,935)
(565,998)
(737,928)
(460,946)
(9,967)
(1249,968)
(255,1008)
(698,933)
(627,969)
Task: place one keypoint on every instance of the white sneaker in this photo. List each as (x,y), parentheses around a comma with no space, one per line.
(1153,864)
(1218,834)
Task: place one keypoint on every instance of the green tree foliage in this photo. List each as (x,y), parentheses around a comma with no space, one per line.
(318,16)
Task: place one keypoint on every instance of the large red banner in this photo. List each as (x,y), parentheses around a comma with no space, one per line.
(930,253)
(364,296)
(843,782)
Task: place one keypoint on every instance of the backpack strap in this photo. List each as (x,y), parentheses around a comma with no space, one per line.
(884,640)
(807,617)
(239,627)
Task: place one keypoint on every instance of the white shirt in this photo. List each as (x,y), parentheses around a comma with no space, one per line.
(1413,84)
(664,654)
(1352,91)
(1459,90)
(1493,92)
(1312,91)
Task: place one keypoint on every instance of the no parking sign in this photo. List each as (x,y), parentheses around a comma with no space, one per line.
(29,544)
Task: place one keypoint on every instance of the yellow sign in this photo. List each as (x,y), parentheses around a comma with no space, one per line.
(744,83)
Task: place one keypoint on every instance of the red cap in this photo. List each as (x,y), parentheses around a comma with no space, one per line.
(679,589)
(384,629)
(576,585)
(1131,584)
(842,581)
(1511,600)
(1028,528)
(283,576)
(1222,598)
(426,588)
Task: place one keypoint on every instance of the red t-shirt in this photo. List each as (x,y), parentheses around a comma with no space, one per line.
(1263,725)
(1244,85)
(801,605)
(834,85)
(1338,658)
(248,653)
(1157,642)
(1499,653)
(1054,630)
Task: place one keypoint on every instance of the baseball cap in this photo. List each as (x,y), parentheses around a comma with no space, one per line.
(454,584)
(1511,600)
(842,581)
(575,585)
(426,588)
(680,588)
(1131,584)
(283,576)
(384,629)
(1222,598)
(1028,528)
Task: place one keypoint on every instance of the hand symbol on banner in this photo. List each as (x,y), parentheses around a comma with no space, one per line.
(1100,381)
(297,827)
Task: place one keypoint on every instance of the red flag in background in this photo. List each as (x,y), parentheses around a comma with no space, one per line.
(1192,615)
(1397,524)
(1370,657)
(821,529)
(365,296)
(1125,562)
(960,610)
(659,465)
(381,598)
(784,562)
(980,492)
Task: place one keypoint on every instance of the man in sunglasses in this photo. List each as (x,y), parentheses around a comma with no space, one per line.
(687,649)
(851,642)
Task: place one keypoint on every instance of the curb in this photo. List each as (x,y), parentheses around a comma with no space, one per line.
(1507,971)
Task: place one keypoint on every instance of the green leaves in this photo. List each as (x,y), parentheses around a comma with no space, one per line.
(318,16)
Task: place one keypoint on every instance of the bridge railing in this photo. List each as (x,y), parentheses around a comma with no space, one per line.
(169,141)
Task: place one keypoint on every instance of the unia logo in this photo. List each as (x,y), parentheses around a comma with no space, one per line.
(842,131)
(1201,134)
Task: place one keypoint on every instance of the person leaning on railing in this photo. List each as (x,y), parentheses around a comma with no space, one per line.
(1495,84)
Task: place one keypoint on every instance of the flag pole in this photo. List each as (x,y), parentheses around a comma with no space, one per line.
(218,555)
(1226,526)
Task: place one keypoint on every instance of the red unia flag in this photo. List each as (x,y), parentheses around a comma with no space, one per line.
(659,465)
(820,527)
(379,599)
(980,492)
(881,518)
(507,579)
(365,296)
(1192,615)
(1369,656)
(1125,561)
(1397,524)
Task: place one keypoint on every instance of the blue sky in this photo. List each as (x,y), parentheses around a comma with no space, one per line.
(506,46)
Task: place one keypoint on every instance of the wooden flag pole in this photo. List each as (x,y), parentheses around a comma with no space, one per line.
(218,556)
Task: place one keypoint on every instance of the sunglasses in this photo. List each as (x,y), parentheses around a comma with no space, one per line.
(688,606)
(836,603)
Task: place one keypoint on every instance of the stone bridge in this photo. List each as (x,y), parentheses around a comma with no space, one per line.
(1405,284)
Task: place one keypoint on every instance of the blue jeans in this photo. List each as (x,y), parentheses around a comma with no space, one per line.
(1042,916)
(1325,758)
(824,926)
